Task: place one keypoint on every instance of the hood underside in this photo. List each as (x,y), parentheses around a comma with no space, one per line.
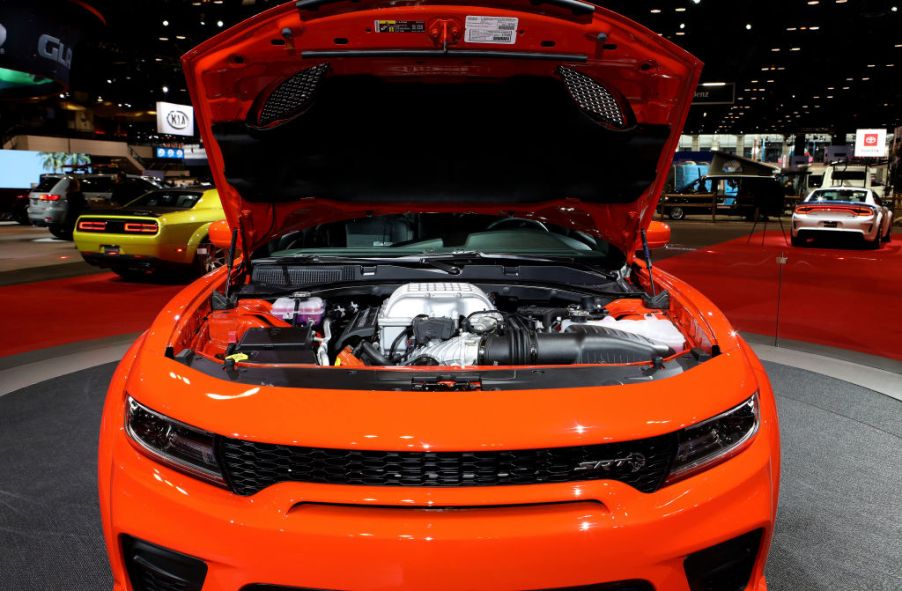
(561,111)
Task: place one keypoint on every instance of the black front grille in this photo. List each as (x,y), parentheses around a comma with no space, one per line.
(593,98)
(250,467)
(292,96)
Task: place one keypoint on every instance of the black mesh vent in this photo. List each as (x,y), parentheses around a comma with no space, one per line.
(593,98)
(292,96)
(251,467)
(154,568)
(286,276)
(726,566)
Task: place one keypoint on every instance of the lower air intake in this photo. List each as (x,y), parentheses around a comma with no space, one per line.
(154,568)
(593,98)
(292,96)
(726,566)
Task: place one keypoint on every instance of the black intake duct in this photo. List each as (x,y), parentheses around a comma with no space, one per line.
(580,344)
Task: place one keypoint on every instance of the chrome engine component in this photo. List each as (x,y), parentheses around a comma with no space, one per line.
(435,300)
(462,350)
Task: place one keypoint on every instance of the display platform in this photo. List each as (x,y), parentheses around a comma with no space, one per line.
(838,524)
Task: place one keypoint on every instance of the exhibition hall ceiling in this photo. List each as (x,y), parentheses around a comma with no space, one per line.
(798,65)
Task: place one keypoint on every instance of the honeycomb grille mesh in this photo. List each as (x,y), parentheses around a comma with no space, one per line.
(251,467)
(593,98)
(285,276)
(292,96)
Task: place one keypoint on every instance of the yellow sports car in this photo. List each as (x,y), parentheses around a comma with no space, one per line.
(160,230)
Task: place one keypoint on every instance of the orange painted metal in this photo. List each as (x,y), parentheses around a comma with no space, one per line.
(226,73)
(496,538)
(582,532)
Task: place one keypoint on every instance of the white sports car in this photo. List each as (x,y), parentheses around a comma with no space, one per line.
(842,210)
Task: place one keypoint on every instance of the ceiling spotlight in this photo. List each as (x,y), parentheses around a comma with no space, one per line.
(656,11)
(165,23)
(748,26)
(165,89)
(696,1)
(109,81)
(219,23)
(682,25)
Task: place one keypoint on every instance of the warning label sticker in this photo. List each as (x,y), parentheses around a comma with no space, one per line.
(386,26)
(491,29)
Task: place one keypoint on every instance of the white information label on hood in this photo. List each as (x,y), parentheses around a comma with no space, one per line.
(491,29)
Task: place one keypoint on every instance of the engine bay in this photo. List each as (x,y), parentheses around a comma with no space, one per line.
(447,324)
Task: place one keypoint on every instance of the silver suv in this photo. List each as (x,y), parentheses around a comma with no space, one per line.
(58,199)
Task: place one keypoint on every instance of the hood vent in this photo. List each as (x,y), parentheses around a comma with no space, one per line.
(292,97)
(594,99)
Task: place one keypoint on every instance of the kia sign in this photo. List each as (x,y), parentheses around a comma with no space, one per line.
(173,119)
(870,143)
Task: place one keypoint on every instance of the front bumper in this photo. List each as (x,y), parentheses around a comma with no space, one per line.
(812,225)
(540,537)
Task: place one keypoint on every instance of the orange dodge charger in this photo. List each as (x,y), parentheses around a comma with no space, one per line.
(441,357)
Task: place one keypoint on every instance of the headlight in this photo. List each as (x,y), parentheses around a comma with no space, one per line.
(173,443)
(712,441)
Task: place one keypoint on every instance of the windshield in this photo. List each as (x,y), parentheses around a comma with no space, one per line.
(47,183)
(439,233)
(849,178)
(847,196)
(173,199)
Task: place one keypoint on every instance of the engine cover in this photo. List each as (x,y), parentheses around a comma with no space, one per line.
(435,300)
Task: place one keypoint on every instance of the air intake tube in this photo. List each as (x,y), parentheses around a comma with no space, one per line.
(580,344)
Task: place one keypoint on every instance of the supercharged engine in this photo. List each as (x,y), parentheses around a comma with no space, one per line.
(450,324)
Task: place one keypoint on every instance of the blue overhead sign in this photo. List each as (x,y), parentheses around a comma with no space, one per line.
(169,153)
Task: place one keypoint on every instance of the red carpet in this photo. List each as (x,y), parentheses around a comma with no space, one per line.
(48,313)
(842,297)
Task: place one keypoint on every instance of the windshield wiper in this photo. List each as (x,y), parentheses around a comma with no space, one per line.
(475,255)
(450,262)
(343,260)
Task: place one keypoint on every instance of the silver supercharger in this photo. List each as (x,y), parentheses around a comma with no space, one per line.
(435,300)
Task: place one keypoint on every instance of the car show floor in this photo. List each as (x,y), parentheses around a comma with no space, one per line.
(59,311)
(831,293)
(838,525)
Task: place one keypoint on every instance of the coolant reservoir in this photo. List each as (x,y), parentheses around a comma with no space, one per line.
(652,327)
(299,309)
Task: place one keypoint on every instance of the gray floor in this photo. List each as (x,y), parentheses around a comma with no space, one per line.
(840,523)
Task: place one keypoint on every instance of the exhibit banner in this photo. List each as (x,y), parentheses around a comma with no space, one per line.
(715,93)
(36,46)
(168,152)
(870,143)
(175,119)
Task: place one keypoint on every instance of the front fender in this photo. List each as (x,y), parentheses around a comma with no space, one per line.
(111,425)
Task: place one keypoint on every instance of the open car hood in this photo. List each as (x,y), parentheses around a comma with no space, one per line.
(326,110)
